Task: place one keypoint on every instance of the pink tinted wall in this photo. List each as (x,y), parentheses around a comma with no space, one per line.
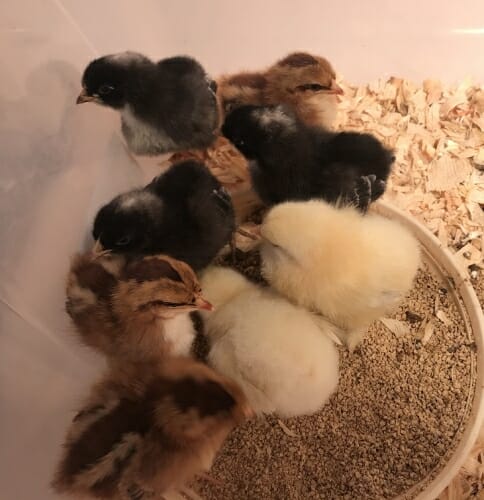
(59,162)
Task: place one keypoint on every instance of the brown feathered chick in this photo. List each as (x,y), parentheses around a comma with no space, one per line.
(148,429)
(135,308)
(307,84)
(240,89)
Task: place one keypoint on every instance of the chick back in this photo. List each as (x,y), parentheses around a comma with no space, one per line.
(185,105)
(198,219)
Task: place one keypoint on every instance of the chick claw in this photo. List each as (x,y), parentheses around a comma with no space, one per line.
(224,197)
(367,189)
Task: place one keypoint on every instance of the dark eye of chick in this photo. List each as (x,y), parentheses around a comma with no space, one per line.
(312,86)
(105,89)
(156,303)
(125,240)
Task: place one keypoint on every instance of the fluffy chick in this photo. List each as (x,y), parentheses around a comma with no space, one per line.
(165,106)
(291,161)
(240,89)
(301,81)
(137,309)
(282,360)
(147,429)
(350,268)
(306,83)
(184,213)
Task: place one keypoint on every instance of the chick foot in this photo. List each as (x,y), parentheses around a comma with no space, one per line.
(368,188)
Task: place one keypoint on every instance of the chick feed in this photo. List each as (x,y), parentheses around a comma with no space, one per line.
(402,402)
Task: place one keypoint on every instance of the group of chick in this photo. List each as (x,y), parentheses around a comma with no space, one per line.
(158,416)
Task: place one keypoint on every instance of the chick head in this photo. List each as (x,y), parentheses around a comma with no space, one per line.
(192,399)
(107,80)
(91,280)
(249,127)
(307,83)
(301,72)
(156,287)
(126,223)
(297,241)
(240,90)
(221,284)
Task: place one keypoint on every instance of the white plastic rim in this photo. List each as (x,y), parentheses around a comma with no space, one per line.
(464,289)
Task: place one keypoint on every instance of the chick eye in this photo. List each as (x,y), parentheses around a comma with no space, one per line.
(105,89)
(313,86)
(123,241)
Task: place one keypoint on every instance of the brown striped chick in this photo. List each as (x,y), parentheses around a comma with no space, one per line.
(148,429)
(240,89)
(307,84)
(133,309)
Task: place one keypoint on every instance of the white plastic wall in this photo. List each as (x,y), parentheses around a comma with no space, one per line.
(58,162)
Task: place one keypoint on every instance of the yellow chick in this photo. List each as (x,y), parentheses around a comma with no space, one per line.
(273,349)
(349,267)
(148,429)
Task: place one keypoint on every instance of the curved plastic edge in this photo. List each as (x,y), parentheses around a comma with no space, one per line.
(464,288)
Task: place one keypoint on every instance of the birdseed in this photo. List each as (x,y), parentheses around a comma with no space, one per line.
(398,413)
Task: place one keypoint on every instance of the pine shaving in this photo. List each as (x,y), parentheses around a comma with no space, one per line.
(443,317)
(397,327)
(437,134)
(426,332)
(286,429)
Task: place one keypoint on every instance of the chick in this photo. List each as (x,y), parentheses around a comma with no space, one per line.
(350,268)
(165,106)
(291,161)
(147,429)
(283,361)
(133,309)
(184,213)
(241,89)
(303,82)
(307,84)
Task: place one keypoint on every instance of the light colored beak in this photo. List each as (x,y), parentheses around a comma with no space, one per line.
(201,303)
(97,248)
(335,89)
(83,97)
(248,412)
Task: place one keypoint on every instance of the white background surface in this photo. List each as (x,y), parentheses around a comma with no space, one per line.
(59,162)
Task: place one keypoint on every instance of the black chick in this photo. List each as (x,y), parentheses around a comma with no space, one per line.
(294,161)
(165,106)
(184,213)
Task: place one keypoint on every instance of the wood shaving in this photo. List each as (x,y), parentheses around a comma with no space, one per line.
(437,134)
(426,332)
(397,327)
(286,429)
(443,317)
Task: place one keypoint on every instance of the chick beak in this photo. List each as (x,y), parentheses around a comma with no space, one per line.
(248,412)
(84,97)
(335,89)
(201,303)
(97,248)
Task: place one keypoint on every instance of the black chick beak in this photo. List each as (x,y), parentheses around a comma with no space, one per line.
(84,97)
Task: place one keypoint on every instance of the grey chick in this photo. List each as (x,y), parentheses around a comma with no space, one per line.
(165,106)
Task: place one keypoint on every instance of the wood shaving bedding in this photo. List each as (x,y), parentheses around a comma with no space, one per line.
(437,134)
